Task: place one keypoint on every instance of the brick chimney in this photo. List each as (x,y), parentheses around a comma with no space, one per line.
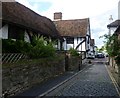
(57,16)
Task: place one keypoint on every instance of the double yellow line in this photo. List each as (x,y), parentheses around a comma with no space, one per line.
(113,81)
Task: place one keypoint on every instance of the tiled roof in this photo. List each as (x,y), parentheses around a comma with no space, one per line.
(92,42)
(16,13)
(114,24)
(73,28)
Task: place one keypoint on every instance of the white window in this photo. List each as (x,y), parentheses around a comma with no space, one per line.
(4,32)
(26,37)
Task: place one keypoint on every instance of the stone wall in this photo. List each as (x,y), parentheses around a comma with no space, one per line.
(21,76)
(74,63)
(113,63)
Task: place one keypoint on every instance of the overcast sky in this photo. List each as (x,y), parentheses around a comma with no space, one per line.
(98,11)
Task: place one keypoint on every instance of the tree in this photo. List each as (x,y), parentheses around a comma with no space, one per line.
(112,45)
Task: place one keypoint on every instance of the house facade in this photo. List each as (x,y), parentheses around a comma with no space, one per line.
(113,25)
(76,33)
(21,23)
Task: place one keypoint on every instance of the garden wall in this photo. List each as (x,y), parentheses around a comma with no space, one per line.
(74,63)
(113,64)
(20,76)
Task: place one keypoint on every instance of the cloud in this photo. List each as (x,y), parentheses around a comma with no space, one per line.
(99,25)
(97,10)
(80,8)
(72,9)
(28,4)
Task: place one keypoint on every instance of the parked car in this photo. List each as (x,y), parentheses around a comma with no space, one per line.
(100,55)
(91,56)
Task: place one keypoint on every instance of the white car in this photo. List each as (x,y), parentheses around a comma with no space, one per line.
(91,56)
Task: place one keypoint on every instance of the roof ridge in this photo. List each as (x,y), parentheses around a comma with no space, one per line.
(73,19)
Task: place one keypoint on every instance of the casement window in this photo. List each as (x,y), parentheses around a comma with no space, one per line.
(81,39)
(15,33)
(70,40)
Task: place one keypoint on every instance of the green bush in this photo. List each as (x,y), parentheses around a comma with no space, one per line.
(8,46)
(117,59)
(73,52)
(41,47)
(18,46)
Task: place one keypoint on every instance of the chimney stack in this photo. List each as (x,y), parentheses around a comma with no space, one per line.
(57,16)
(119,9)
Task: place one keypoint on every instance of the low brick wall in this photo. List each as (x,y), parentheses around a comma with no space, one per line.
(21,76)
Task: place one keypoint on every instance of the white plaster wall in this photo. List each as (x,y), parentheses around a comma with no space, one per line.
(112,30)
(79,41)
(83,47)
(64,44)
(4,32)
(26,37)
(76,43)
(68,46)
(58,44)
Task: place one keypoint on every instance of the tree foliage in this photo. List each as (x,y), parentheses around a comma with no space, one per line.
(73,52)
(41,47)
(112,45)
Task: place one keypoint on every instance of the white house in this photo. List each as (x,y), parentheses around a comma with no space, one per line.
(75,32)
(113,25)
(20,22)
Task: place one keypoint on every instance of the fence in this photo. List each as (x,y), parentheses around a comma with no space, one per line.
(12,57)
(15,57)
